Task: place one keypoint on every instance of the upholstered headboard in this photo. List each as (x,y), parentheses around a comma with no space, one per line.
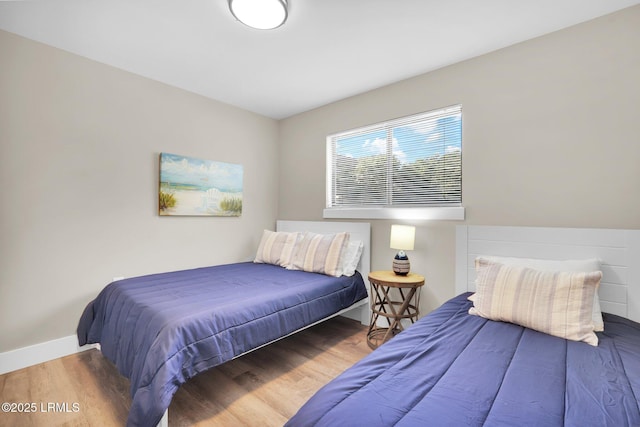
(617,250)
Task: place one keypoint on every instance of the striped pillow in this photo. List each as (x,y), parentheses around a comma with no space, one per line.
(570,265)
(556,303)
(276,247)
(320,253)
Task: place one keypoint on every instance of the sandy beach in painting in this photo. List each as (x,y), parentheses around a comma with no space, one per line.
(195,202)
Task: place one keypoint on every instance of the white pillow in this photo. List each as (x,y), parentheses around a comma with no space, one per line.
(570,266)
(351,257)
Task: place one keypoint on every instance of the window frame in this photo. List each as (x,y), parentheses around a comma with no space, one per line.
(452,211)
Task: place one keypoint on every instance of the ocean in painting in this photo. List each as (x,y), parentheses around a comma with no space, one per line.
(192,186)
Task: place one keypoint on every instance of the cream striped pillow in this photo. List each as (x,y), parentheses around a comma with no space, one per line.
(570,265)
(276,247)
(556,303)
(320,253)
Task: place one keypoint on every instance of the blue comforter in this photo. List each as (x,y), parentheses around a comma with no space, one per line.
(160,330)
(454,369)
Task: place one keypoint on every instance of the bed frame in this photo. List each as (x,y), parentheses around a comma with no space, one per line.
(360,310)
(618,251)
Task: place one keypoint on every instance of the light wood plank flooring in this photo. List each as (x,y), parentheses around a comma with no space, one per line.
(263,388)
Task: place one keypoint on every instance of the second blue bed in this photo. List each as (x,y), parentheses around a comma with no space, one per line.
(455,369)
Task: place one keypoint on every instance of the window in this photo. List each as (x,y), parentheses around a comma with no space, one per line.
(402,168)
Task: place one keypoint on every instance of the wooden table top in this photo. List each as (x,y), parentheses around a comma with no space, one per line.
(389,278)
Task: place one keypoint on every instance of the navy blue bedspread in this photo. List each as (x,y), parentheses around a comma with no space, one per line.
(162,329)
(454,369)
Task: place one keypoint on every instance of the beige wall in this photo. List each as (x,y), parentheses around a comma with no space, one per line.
(79,147)
(550,138)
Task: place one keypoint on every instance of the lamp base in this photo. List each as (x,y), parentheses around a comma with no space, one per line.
(401,265)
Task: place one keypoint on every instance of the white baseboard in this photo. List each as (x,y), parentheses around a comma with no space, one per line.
(39,353)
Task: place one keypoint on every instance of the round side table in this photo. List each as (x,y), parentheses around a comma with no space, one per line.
(403,304)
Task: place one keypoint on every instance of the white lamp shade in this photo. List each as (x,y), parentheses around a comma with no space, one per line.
(260,14)
(402,237)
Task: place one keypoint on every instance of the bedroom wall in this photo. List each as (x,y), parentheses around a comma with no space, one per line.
(550,138)
(79,147)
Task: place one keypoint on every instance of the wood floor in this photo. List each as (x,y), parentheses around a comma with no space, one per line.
(263,388)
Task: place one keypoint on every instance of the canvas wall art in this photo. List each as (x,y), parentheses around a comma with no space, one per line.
(197,187)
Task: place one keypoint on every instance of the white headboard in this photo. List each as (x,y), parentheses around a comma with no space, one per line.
(357,231)
(618,251)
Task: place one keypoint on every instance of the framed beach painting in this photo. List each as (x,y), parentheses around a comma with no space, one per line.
(197,187)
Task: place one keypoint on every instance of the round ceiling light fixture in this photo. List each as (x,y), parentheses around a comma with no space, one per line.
(260,14)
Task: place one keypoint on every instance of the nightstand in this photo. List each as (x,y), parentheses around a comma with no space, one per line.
(394,306)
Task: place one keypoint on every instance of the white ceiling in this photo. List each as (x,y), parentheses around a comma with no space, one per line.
(326,51)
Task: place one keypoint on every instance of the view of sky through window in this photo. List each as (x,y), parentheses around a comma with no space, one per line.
(410,142)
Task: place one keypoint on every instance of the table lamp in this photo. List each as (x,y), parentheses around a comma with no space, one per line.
(402,238)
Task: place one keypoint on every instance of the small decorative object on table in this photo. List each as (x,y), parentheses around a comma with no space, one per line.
(402,238)
(383,305)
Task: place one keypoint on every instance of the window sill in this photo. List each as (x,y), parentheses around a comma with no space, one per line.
(436,213)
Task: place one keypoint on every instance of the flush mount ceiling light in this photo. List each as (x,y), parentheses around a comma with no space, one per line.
(260,14)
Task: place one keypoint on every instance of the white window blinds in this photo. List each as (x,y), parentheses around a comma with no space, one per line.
(413,161)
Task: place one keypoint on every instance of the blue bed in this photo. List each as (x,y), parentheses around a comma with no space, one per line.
(160,330)
(455,369)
